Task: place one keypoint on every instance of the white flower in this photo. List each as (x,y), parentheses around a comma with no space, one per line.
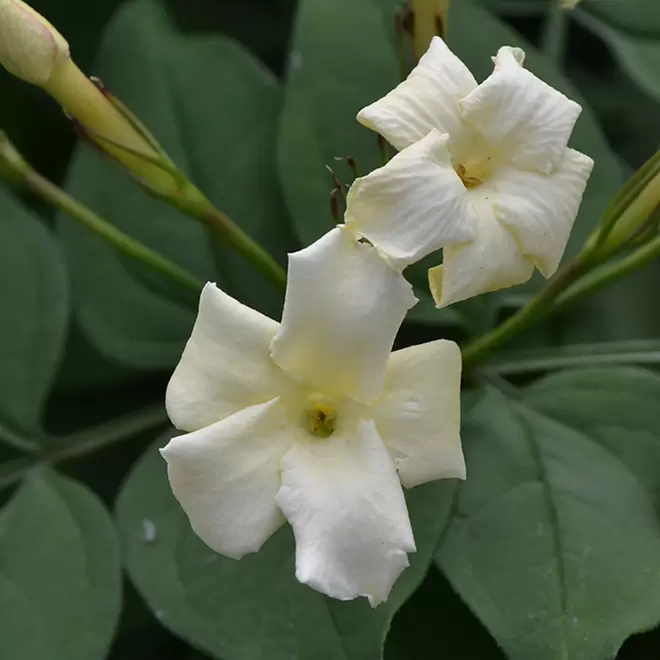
(489,161)
(30,47)
(315,431)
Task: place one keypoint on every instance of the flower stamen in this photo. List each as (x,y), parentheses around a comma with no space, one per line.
(469,181)
(320,420)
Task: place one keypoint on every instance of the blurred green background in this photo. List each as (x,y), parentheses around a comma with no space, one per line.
(609,50)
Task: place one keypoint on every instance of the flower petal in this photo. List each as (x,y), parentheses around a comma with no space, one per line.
(428,98)
(540,210)
(520,115)
(413,205)
(226,365)
(419,414)
(343,499)
(344,305)
(226,477)
(492,261)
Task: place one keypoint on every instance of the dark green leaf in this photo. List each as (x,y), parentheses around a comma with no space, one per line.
(417,633)
(625,310)
(342,58)
(34,300)
(213,108)
(517,7)
(554,542)
(639,54)
(627,114)
(645,352)
(254,609)
(637,16)
(60,580)
(615,407)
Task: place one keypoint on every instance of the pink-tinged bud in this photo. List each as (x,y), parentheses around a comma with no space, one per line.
(30,47)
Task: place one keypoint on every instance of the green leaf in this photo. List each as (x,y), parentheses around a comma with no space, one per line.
(623,311)
(416,631)
(638,16)
(554,542)
(638,54)
(33,295)
(254,609)
(214,109)
(517,7)
(616,407)
(627,114)
(645,352)
(60,579)
(342,58)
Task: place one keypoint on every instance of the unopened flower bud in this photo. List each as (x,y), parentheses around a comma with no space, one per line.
(30,47)
(429,20)
(636,205)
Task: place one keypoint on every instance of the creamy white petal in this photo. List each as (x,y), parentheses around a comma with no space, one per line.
(344,501)
(226,364)
(414,205)
(344,305)
(418,415)
(523,118)
(540,210)
(492,261)
(428,98)
(226,477)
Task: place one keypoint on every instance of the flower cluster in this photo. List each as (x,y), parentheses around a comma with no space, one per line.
(313,420)
(489,162)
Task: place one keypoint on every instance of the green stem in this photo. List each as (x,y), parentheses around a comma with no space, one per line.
(190,201)
(234,236)
(85,442)
(562,292)
(555,32)
(130,143)
(98,437)
(536,309)
(626,220)
(429,20)
(637,209)
(13,471)
(645,351)
(608,273)
(17,441)
(16,170)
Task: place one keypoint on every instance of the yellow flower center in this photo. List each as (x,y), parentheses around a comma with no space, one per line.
(320,416)
(469,180)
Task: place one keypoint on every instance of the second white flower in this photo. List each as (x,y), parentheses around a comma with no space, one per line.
(484,171)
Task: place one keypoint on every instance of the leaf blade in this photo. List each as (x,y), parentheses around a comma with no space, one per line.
(213,108)
(540,545)
(265,613)
(33,292)
(57,539)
